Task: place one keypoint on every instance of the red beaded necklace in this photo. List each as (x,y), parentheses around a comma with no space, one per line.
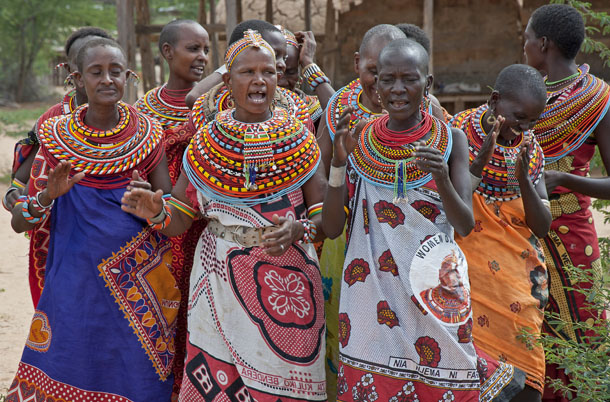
(391,138)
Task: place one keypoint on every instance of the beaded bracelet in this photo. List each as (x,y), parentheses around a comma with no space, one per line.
(309,230)
(182,207)
(25,209)
(162,220)
(314,210)
(314,76)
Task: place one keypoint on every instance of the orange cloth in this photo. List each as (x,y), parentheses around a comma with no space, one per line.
(508,285)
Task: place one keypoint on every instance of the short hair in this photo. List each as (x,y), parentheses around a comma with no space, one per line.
(82,33)
(415,33)
(386,31)
(169,33)
(256,25)
(517,79)
(561,24)
(404,43)
(80,57)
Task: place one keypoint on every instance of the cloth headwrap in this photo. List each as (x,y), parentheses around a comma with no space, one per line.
(291,40)
(251,39)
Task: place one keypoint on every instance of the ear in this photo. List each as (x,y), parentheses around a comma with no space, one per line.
(77,77)
(357,63)
(226,78)
(429,82)
(168,51)
(544,44)
(493,100)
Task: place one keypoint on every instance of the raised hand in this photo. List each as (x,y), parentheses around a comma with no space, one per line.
(523,161)
(345,141)
(487,148)
(142,202)
(59,182)
(431,160)
(307,40)
(138,182)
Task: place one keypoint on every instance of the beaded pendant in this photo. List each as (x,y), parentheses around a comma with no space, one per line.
(258,154)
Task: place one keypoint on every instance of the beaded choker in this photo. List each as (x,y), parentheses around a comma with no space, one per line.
(499,181)
(106,156)
(394,166)
(164,105)
(571,115)
(251,163)
(218,99)
(347,96)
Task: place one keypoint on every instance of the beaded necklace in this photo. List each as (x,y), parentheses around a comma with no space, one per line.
(550,85)
(218,99)
(499,182)
(165,105)
(133,144)
(571,115)
(313,104)
(68,104)
(347,96)
(251,163)
(394,166)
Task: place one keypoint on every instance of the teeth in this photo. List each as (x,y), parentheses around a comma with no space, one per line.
(515,131)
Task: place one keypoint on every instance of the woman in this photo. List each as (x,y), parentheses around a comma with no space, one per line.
(574,121)
(103,329)
(300,51)
(26,149)
(184,44)
(406,193)
(256,318)
(511,212)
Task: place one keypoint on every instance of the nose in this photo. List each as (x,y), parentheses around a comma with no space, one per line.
(204,57)
(280,66)
(106,78)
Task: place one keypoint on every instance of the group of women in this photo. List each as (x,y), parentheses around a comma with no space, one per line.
(234,237)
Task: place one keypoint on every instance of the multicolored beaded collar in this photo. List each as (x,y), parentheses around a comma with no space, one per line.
(107,156)
(347,96)
(68,104)
(218,99)
(251,163)
(394,166)
(571,115)
(313,104)
(166,106)
(499,181)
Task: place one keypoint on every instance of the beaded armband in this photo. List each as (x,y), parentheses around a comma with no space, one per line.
(25,202)
(314,76)
(164,218)
(182,207)
(310,230)
(314,210)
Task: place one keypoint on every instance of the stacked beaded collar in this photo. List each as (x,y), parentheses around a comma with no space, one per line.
(499,182)
(388,165)
(347,96)
(571,115)
(107,156)
(165,105)
(313,105)
(219,99)
(251,163)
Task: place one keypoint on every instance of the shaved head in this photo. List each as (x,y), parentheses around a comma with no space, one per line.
(383,31)
(408,48)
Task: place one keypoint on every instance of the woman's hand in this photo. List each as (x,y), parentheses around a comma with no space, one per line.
(59,182)
(487,148)
(139,200)
(279,241)
(523,161)
(553,179)
(307,40)
(345,141)
(430,160)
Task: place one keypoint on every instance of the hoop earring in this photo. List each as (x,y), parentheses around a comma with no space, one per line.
(230,100)
(379,98)
(491,119)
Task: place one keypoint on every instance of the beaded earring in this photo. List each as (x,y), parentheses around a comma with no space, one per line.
(230,100)
(69,81)
(136,77)
(491,118)
(379,98)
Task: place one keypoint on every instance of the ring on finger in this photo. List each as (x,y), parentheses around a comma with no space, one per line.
(282,247)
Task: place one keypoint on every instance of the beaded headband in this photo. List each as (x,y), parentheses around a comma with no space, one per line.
(291,40)
(251,39)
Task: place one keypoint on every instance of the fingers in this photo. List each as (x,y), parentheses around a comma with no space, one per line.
(497,126)
(344,119)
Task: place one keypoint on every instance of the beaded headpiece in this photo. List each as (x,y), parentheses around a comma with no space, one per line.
(291,40)
(251,39)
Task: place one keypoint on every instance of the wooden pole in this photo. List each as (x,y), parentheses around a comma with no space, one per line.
(308,15)
(146,55)
(127,40)
(201,14)
(214,36)
(231,12)
(428,27)
(239,8)
(331,46)
(269,11)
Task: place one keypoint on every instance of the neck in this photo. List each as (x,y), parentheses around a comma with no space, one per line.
(246,117)
(81,98)
(560,68)
(367,103)
(102,117)
(175,84)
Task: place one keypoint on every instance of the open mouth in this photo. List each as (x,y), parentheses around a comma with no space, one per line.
(257,96)
(397,104)
(516,132)
(197,70)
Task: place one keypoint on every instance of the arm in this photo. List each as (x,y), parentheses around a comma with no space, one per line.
(333,212)
(146,204)
(537,216)
(452,180)
(59,183)
(291,231)
(202,87)
(324,142)
(159,177)
(307,41)
(598,187)
(487,149)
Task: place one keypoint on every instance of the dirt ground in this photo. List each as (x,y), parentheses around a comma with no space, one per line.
(15,302)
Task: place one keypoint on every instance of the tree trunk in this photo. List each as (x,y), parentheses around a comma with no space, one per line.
(146,55)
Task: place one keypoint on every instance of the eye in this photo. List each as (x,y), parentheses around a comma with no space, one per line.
(206,50)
